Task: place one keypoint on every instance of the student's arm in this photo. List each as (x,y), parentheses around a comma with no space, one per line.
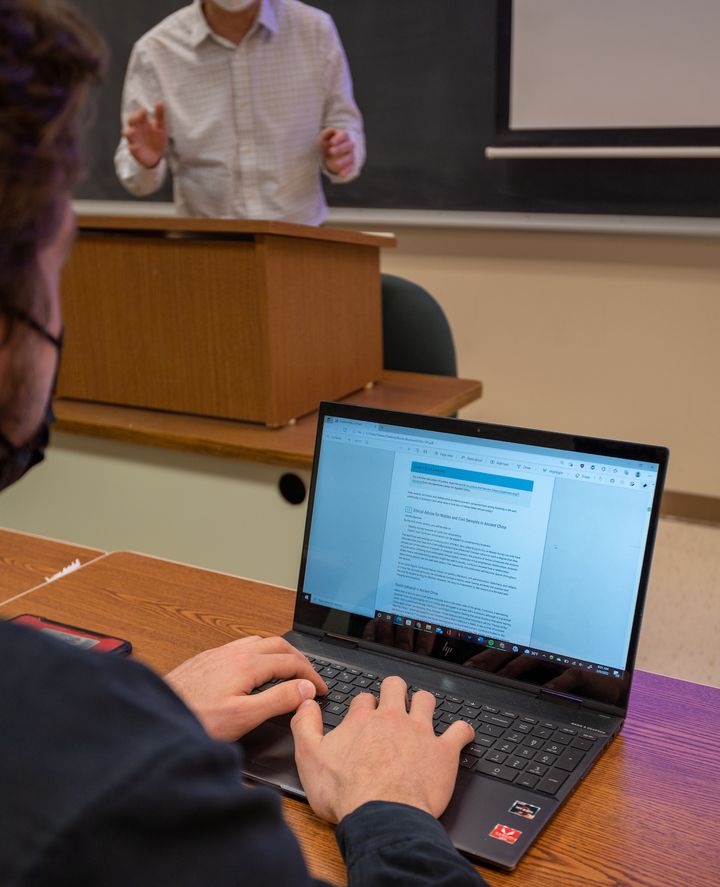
(143,127)
(342,139)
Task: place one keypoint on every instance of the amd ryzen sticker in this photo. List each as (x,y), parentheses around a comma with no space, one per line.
(505,833)
(528,811)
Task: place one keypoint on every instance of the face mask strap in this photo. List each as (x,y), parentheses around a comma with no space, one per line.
(30,322)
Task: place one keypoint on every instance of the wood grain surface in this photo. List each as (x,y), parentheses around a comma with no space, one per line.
(291,446)
(27,561)
(646,815)
(237,227)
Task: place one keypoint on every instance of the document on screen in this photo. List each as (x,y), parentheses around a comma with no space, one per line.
(463,548)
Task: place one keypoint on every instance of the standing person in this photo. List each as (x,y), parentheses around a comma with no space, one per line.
(110,775)
(246,101)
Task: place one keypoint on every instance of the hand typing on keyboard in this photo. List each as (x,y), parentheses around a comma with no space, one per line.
(217,684)
(379,752)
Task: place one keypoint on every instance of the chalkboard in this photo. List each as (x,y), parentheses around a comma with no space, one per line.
(425,79)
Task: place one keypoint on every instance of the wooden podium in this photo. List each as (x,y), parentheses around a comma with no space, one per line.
(256,321)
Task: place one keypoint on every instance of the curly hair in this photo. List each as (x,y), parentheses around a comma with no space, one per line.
(49,56)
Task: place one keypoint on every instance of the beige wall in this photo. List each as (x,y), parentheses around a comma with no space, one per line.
(610,335)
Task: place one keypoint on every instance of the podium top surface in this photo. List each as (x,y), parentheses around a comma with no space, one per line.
(242,228)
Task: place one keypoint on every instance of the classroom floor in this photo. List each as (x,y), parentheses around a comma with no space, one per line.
(680,636)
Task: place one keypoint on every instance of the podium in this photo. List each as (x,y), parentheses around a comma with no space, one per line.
(248,320)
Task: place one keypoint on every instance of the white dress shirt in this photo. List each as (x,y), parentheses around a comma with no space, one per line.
(243,121)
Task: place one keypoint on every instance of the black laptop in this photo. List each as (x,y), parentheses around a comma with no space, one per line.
(502,569)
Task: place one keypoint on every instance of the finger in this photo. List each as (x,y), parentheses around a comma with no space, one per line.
(393,693)
(340,137)
(457,736)
(138,117)
(277,700)
(341,152)
(327,134)
(160,115)
(307,728)
(422,705)
(362,700)
(284,666)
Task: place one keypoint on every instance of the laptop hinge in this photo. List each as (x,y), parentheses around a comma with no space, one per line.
(339,641)
(560,697)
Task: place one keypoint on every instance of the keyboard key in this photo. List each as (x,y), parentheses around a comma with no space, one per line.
(548,725)
(569,730)
(504,745)
(448,717)
(451,707)
(322,663)
(346,677)
(591,737)
(516,763)
(354,671)
(533,742)
(337,697)
(522,728)
(545,758)
(569,759)
(481,744)
(497,770)
(469,713)
(525,752)
(328,672)
(363,682)
(537,769)
(341,688)
(335,708)
(331,720)
(490,730)
(512,736)
(527,780)
(437,694)
(440,728)
(369,675)
(551,782)
(528,720)
(472,704)
(562,738)
(554,748)
(495,719)
(496,757)
(467,762)
(454,699)
(490,708)
(542,732)
(509,714)
(582,744)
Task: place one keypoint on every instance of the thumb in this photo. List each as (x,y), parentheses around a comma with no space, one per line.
(327,134)
(307,727)
(160,115)
(278,700)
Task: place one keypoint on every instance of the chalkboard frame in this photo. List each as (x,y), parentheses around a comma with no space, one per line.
(600,137)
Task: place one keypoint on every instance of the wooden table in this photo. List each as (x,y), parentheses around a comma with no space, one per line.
(28,561)
(648,814)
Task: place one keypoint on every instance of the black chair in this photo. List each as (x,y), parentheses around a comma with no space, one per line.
(417,337)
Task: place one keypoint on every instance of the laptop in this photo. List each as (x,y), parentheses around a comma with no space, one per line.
(502,569)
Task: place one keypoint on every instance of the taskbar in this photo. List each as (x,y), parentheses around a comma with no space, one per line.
(504,646)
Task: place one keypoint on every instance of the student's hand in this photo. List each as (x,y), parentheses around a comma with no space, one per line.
(338,151)
(380,752)
(217,684)
(147,137)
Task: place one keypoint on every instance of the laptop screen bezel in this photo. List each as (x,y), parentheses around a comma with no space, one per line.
(312,618)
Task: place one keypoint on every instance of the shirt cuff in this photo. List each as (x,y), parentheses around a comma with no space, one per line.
(136,178)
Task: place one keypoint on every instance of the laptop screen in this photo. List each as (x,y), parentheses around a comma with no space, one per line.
(519,553)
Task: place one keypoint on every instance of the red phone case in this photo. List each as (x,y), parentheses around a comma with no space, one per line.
(78,637)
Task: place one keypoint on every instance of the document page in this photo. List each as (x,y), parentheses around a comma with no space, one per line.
(463,548)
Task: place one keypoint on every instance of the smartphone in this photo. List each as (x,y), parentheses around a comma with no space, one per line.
(77,637)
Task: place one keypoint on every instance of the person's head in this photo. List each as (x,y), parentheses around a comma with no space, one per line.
(48,58)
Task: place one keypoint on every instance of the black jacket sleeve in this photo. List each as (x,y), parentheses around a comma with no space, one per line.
(391,845)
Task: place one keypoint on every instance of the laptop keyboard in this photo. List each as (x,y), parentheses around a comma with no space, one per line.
(508,745)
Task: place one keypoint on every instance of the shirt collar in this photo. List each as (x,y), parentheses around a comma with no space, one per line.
(200,30)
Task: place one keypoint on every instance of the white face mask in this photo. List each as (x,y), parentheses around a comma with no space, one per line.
(234,5)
